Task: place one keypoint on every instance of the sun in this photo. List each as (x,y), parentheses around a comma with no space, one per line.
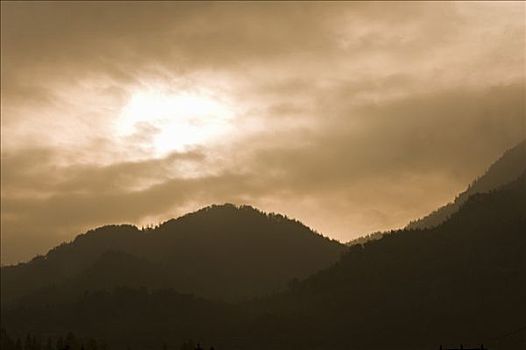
(168,121)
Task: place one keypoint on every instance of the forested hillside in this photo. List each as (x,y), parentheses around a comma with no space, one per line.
(221,252)
(463,282)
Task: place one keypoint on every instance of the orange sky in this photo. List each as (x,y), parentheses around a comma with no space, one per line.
(351,117)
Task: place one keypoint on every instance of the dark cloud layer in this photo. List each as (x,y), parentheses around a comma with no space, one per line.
(352,117)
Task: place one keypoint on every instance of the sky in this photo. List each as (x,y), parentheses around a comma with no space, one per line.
(350,117)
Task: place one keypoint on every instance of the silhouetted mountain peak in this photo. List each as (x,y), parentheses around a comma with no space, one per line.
(108,231)
(229,221)
(218,211)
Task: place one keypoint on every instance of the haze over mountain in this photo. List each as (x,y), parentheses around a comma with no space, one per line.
(221,252)
(505,170)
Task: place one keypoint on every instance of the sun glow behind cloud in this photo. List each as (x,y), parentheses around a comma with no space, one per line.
(174,121)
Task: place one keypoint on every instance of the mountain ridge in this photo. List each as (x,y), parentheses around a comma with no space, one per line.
(507,168)
(203,243)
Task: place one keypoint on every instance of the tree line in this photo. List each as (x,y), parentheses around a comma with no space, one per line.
(69,342)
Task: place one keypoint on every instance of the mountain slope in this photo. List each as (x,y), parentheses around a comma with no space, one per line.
(462,282)
(224,252)
(505,170)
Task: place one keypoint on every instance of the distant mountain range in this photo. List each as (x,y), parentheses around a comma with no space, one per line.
(462,281)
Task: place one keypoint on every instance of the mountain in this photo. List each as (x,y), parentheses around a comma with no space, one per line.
(505,170)
(461,282)
(220,252)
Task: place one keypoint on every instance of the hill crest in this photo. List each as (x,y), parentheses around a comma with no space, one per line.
(223,252)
